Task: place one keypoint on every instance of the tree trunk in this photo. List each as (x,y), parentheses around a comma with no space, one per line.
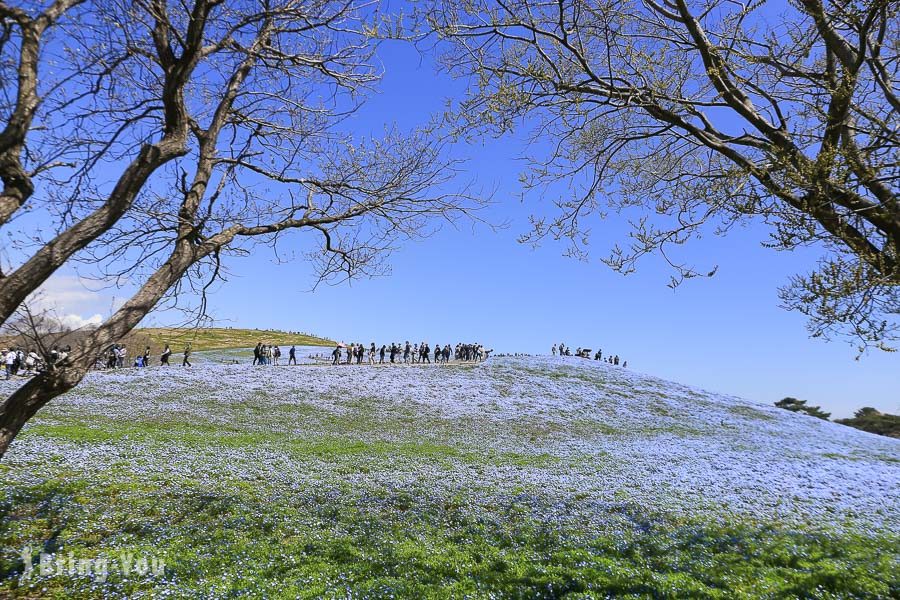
(22,404)
(17,285)
(41,389)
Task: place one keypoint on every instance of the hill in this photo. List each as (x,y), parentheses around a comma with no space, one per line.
(521,477)
(221,338)
(201,339)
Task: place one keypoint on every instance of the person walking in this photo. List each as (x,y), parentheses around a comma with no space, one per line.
(336,355)
(164,357)
(146,360)
(381,354)
(372,354)
(187,356)
(553,349)
(292,356)
(9,360)
(257,353)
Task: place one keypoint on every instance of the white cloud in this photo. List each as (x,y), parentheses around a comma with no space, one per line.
(73,321)
(69,301)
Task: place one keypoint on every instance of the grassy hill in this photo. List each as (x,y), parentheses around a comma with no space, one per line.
(201,339)
(220,338)
(520,478)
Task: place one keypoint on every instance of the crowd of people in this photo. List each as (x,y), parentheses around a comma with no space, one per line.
(27,362)
(563,350)
(116,357)
(406,353)
(267,354)
(19,361)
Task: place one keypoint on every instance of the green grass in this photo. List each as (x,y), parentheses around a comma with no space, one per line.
(341,543)
(220,338)
(750,412)
(333,446)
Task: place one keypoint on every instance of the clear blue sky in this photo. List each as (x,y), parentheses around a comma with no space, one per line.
(726,334)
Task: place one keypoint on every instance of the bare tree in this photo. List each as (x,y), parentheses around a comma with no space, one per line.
(89,123)
(689,117)
(253,92)
(21,36)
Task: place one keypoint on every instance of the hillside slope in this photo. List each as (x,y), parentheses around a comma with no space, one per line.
(502,478)
(219,338)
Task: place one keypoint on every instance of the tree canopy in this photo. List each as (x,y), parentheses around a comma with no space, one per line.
(874,421)
(691,117)
(794,405)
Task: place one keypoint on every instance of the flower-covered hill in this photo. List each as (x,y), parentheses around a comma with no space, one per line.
(529,477)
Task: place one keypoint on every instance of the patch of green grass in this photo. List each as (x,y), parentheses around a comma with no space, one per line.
(407,544)
(876,457)
(203,435)
(750,412)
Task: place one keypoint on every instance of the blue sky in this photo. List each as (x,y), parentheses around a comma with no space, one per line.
(725,334)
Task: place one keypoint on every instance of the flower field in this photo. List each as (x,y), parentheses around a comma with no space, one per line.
(518,478)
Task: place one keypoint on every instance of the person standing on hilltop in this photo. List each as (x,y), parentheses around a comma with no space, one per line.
(336,355)
(164,357)
(187,355)
(372,354)
(257,352)
(292,356)
(381,354)
(553,350)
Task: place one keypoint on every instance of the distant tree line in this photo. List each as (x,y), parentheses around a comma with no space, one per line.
(866,418)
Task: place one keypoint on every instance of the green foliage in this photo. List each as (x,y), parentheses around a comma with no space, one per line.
(794,405)
(873,421)
(316,543)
